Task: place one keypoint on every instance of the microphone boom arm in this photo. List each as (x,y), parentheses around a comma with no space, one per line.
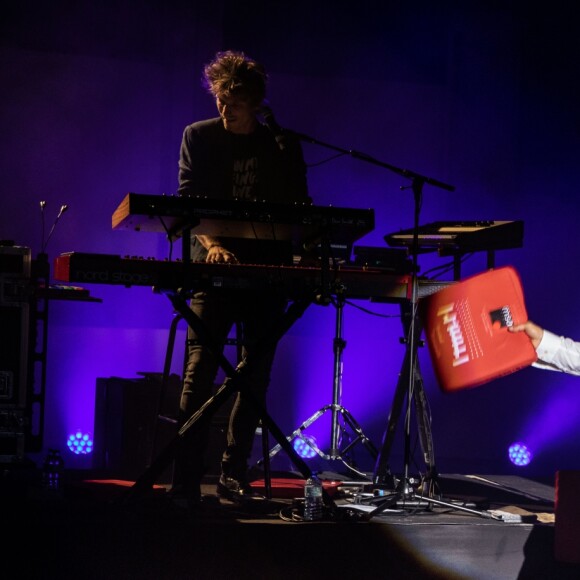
(367,158)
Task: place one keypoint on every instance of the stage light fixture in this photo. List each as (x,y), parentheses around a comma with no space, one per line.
(304,446)
(520,454)
(80,443)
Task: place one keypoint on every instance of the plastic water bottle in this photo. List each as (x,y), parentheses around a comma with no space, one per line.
(52,469)
(313,501)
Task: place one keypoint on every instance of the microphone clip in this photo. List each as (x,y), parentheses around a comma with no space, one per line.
(272,124)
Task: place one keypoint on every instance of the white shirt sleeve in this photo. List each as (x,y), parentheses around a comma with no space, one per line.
(558,354)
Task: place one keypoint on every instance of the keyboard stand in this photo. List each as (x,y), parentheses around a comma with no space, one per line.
(234,382)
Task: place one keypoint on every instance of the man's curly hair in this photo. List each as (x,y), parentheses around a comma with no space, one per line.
(232,73)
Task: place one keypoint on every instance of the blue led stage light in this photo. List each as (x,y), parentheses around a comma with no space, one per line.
(80,443)
(519,454)
(304,446)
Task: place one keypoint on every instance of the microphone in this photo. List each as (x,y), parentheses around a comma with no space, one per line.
(276,130)
(63,208)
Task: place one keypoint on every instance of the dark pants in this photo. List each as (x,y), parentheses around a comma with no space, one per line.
(219,310)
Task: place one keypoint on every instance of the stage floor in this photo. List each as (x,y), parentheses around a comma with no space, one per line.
(95,528)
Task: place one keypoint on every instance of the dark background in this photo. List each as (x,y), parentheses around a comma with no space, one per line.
(480,95)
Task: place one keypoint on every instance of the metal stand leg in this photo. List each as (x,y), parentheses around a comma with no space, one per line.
(336,409)
(266,461)
(382,475)
(401,492)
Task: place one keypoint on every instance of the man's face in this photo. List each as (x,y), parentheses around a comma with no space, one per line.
(238,115)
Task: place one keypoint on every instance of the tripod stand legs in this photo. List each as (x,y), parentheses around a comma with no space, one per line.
(336,453)
(336,409)
(382,474)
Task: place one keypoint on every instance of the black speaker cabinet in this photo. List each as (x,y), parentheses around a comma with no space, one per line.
(126,425)
(128,434)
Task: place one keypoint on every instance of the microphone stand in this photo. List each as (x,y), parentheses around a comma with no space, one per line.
(63,208)
(404,489)
(368,159)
